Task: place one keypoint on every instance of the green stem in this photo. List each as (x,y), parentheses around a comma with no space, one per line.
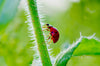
(39,34)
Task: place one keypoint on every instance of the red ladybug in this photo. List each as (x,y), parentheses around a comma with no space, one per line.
(54,33)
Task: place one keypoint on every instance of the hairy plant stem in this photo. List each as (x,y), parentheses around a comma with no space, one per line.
(32,4)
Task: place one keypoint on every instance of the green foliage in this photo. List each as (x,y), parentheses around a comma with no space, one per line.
(88,47)
(85,46)
(8,10)
(42,47)
(82,16)
(15,45)
(90,60)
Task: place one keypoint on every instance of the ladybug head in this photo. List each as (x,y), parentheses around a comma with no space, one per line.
(48,26)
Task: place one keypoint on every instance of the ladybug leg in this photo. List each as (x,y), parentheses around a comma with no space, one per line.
(44,26)
(50,40)
(49,37)
(45,29)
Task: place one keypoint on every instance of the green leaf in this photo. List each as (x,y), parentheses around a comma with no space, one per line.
(88,47)
(84,46)
(8,10)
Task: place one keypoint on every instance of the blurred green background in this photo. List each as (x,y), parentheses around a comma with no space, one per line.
(70,17)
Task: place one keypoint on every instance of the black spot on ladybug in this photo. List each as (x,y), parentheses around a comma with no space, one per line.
(53,36)
(55,32)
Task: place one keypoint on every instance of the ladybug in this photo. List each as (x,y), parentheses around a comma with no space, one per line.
(54,34)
